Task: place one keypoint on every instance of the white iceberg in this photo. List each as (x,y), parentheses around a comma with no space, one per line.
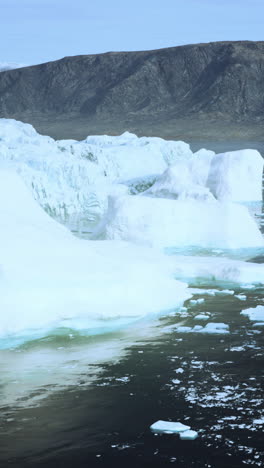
(49,278)
(188,435)
(177,183)
(211,328)
(256,314)
(68,177)
(236,176)
(215,269)
(73,179)
(202,317)
(169,427)
(164,223)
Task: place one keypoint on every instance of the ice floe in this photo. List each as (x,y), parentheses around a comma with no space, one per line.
(215,269)
(202,317)
(169,427)
(188,435)
(210,328)
(255,314)
(241,297)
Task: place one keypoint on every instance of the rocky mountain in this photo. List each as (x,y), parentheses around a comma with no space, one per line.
(213,90)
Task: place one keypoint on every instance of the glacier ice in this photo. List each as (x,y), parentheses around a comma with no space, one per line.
(236,176)
(50,279)
(131,190)
(164,223)
(177,183)
(69,177)
(217,269)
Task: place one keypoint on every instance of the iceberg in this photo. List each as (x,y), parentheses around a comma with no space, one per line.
(51,279)
(72,179)
(256,314)
(165,223)
(188,435)
(177,183)
(236,176)
(217,269)
(169,427)
(137,193)
(68,177)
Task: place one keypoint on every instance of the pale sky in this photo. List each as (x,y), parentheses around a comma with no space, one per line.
(35,31)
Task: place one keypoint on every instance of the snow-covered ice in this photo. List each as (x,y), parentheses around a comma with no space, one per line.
(224,292)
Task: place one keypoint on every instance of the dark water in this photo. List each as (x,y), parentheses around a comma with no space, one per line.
(214,383)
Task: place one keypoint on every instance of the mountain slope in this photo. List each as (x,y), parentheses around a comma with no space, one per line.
(180,89)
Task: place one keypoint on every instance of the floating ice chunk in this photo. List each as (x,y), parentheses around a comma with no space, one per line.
(224,292)
(210,328)
(216,328)
(179,370)
(176,381)
(204,292)
(196,301)
(247,286)
(215,269)
(255,314)
(202,317)
(258,421)
(165,223)
(168,426)
(188,435)
(241,297)
(259,324)
(183,329)
(236,176)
